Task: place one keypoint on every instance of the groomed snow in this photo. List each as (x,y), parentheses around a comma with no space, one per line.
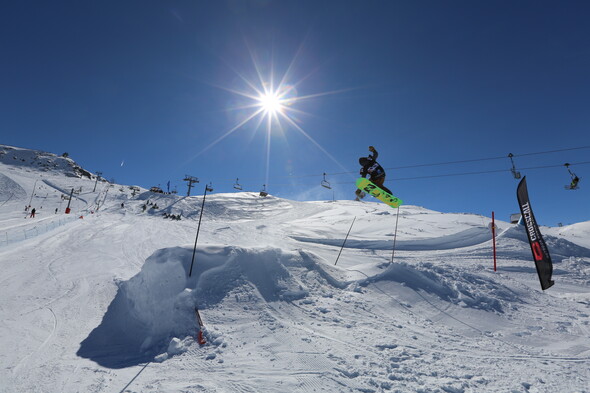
(100,300)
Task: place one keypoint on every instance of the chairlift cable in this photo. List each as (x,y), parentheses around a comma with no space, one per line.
(457,174)
(450,163)
(463,161)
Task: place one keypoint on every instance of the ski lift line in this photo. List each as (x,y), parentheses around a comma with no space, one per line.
(552,151)
(442,163)
(486,172)
(471,160)
(449,174)
(455,162)
(490,158)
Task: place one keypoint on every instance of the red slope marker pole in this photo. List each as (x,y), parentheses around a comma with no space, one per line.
(200,339)
(494,238)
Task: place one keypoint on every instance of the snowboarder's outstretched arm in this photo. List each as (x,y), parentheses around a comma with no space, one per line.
(374,154)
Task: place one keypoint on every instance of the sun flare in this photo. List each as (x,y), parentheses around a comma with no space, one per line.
(271,103)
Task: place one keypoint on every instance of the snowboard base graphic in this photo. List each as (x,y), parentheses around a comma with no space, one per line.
(370,188)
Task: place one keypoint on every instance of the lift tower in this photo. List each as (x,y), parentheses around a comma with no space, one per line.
(190,180)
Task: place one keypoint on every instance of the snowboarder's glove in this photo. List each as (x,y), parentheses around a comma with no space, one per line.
(371,149)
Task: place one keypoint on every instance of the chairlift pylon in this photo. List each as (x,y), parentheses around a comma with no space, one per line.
(575,179)
(515,173)
(326,183)
(238,186)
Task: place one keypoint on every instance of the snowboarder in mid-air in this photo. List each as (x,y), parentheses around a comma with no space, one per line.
(370,166)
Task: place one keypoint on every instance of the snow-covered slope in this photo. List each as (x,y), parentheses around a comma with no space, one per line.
(101,300)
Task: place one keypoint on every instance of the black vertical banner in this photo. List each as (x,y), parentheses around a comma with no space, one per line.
(538,246)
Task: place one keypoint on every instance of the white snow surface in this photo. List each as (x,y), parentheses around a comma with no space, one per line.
(100,300)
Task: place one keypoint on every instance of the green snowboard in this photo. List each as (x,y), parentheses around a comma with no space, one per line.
(370,188)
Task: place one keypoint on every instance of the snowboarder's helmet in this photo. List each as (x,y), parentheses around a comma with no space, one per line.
(363,161)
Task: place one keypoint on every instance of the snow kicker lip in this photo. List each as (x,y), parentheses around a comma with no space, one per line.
(467,238)
(560,248)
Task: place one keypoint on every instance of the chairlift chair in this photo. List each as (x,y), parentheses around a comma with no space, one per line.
(326,183)
(237,186)
(575,179)
(263,192)
(515,173)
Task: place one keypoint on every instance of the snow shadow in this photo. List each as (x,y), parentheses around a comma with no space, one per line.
(10,190)
(157,304)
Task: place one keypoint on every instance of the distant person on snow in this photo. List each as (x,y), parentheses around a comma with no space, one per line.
(32,213)
(370,166)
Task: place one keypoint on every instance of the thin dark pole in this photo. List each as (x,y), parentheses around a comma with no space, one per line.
(33,193)
(198,229)
(395,234)
(96,182)
(338,257)
(494,238)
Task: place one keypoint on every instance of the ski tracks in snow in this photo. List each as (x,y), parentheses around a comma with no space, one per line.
(23,362)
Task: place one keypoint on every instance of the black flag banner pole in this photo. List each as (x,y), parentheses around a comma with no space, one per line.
(538,246)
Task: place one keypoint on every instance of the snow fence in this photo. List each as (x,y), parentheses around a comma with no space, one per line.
(19,234)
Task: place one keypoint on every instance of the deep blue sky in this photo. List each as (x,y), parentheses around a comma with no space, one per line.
(141,90)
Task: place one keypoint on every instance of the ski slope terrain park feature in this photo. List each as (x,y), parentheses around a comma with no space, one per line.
(100,300)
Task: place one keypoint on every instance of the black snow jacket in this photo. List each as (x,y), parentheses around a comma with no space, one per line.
(371,167)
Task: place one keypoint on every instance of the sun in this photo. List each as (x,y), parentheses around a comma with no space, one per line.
(271,103)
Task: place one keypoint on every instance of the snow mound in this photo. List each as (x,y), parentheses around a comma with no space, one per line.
(157,306)
(559,248)
(158,303)
(450,284)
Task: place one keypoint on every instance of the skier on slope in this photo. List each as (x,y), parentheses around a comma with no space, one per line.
(370,166)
